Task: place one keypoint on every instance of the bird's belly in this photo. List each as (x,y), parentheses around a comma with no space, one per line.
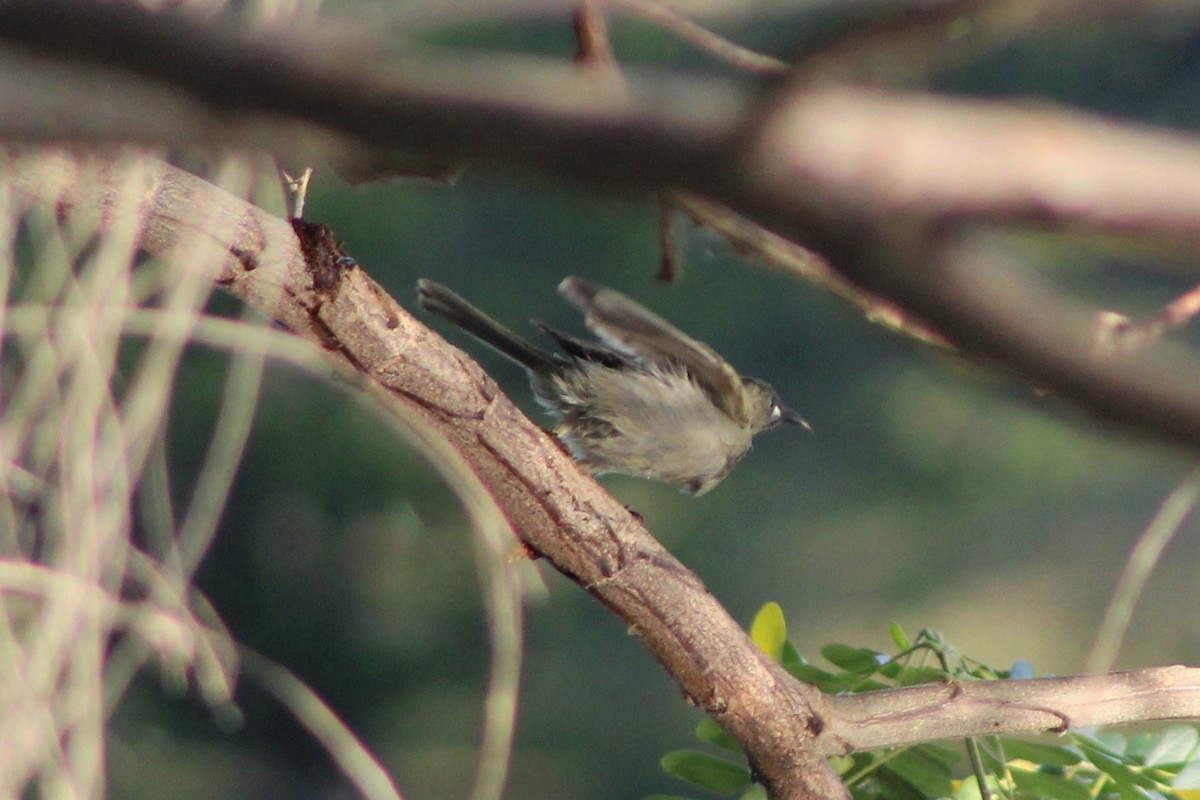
(691,452)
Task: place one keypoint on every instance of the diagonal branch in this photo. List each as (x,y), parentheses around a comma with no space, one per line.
(719,47)
(1117,334)
(774,250)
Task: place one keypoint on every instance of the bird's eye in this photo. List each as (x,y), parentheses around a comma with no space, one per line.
(776,411)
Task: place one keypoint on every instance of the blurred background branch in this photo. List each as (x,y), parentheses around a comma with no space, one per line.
(881,185)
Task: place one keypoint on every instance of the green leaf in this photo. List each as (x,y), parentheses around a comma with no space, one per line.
(859,660)
(790,656)
(825,681)
(828,682)
(947,755)
(855,684)
(923,770)
(1188,778)
(1042,784)
(709,731)
(899,636)
(896,787)
(1041,753)
(968,789)
(708,772)
(769,630)
(1176,745)
(992,761)
(1141,744)
(842,765)
(1116,768)
(1153,795)
(666,797)
(912,676)
(1112,741)
(756,792)
(891,669)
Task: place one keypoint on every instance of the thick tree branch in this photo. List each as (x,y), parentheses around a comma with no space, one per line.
(440,108)
(882,156)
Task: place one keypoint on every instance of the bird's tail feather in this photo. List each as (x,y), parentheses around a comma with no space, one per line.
(439,300)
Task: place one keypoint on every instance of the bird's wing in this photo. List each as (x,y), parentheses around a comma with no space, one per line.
(631,328)
(588,351)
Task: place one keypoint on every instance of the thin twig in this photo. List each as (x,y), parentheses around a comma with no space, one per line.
(1143,558)
(731,53)
(750,238)
(356,762)
(746,237)
(593,48)
(295,187)
(1117,334)
(977,768)
(671,264)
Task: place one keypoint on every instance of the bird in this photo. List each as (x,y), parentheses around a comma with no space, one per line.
(645,400)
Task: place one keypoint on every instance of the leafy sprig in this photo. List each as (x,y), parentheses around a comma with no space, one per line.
(1078,765)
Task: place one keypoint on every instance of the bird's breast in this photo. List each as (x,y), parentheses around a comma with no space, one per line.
(655,423)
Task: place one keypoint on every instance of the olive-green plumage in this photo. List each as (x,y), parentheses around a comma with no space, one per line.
(646,400)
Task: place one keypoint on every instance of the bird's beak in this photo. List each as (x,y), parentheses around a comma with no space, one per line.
(791,416)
